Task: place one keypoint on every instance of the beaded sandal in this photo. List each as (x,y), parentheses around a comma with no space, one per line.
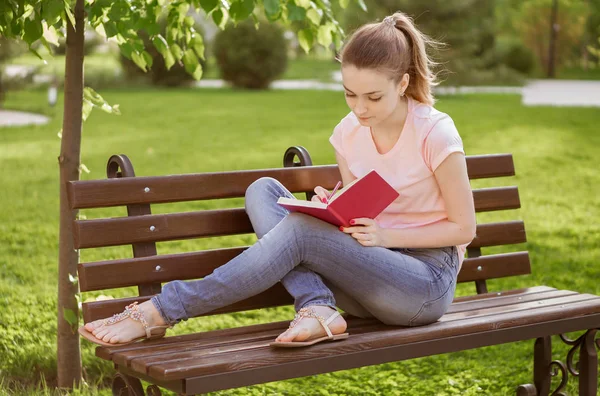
(309,312)
(131,311)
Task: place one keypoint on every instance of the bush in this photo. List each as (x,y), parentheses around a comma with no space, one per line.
(519,58)
(251,58)
(158,74)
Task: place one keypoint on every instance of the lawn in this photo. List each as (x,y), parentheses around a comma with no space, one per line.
(183,131)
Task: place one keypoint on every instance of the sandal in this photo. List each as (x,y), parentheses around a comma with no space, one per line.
(308,312)
(131,311)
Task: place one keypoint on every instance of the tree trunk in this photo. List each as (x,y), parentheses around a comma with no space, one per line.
(69,356)
(552,45)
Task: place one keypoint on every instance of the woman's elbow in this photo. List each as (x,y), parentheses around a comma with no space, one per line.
(470,232)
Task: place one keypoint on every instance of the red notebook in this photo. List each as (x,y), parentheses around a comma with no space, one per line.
(364,197)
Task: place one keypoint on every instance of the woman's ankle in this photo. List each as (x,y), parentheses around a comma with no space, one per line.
(152,315)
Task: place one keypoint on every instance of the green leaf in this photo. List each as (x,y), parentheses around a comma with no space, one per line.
(305,39)
(295,13)
(52,10)
(70,317)
(139,60)
(208,5)
(241,9)
(176,51)
(192,66)
(163,48)
(148,59)
(303,3)
(324,35)
(33,30)
(314,15)
(197,43)
(69,13)
(344,3)
(110,28)
(87,108)
(98,101)
(362,4)
(50,34)
(188,21)
(271,7)
(217,17)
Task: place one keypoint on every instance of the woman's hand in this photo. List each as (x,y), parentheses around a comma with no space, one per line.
(322,195)
(366,231)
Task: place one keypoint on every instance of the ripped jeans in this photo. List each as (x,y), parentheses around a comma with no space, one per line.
(319,265)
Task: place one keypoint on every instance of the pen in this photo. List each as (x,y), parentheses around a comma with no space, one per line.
(337,186)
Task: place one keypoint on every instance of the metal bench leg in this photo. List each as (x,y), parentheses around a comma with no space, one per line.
(126,385)
(542,360)
(588,365)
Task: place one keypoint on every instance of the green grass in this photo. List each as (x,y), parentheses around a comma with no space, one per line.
(182,131)
(105,70)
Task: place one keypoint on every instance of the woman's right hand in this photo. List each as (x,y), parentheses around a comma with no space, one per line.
(322,195)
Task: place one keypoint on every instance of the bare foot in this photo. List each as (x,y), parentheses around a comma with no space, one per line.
(311,328)
(128,329)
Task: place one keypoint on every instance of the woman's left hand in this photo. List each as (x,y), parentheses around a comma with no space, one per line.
(366,231)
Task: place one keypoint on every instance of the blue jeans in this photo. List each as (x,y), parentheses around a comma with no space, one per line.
(319,265)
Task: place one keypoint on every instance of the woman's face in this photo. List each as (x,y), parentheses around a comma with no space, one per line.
(370,94)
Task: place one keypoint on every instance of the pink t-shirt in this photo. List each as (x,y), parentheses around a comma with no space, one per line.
(428,137)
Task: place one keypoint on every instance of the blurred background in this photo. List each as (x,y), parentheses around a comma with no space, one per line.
(489,42)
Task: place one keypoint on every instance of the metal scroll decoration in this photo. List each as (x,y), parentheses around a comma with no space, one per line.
(555,367)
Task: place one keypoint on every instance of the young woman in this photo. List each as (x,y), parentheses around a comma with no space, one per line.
(400,267)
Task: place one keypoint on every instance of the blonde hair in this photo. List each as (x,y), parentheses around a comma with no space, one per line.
(395,47)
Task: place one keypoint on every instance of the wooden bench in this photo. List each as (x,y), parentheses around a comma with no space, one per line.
(222,359)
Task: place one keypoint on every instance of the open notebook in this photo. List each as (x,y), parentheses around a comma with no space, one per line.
(364,197)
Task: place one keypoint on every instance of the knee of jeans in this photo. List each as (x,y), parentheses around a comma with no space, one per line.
(259,190)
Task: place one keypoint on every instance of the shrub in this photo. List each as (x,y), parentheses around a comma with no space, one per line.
(251,58)
(520,58)
(158,74)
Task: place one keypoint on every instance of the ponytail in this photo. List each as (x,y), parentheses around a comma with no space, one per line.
(395,47)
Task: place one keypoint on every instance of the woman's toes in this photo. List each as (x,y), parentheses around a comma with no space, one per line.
(93,325)
(107,337)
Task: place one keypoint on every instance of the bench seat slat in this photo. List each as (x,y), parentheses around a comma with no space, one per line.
(147,347)
(182,353)
(222,363)
(135,271)
(191,187)
(207,223)
(125,357)
(530,294)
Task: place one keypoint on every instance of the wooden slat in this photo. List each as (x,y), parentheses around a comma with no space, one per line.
(198,362)
(157,269)
(110,274)
(498,198)
(273,297)
(495,266)
(496,234)
(160,227)
(269,331)
(216,350)
(514,292)
(191,187)
(334,361)
(175,226)
(487,166)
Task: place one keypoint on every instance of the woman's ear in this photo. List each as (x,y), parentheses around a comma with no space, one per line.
(404,82)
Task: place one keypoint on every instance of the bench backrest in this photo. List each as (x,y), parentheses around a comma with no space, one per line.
(143,230)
